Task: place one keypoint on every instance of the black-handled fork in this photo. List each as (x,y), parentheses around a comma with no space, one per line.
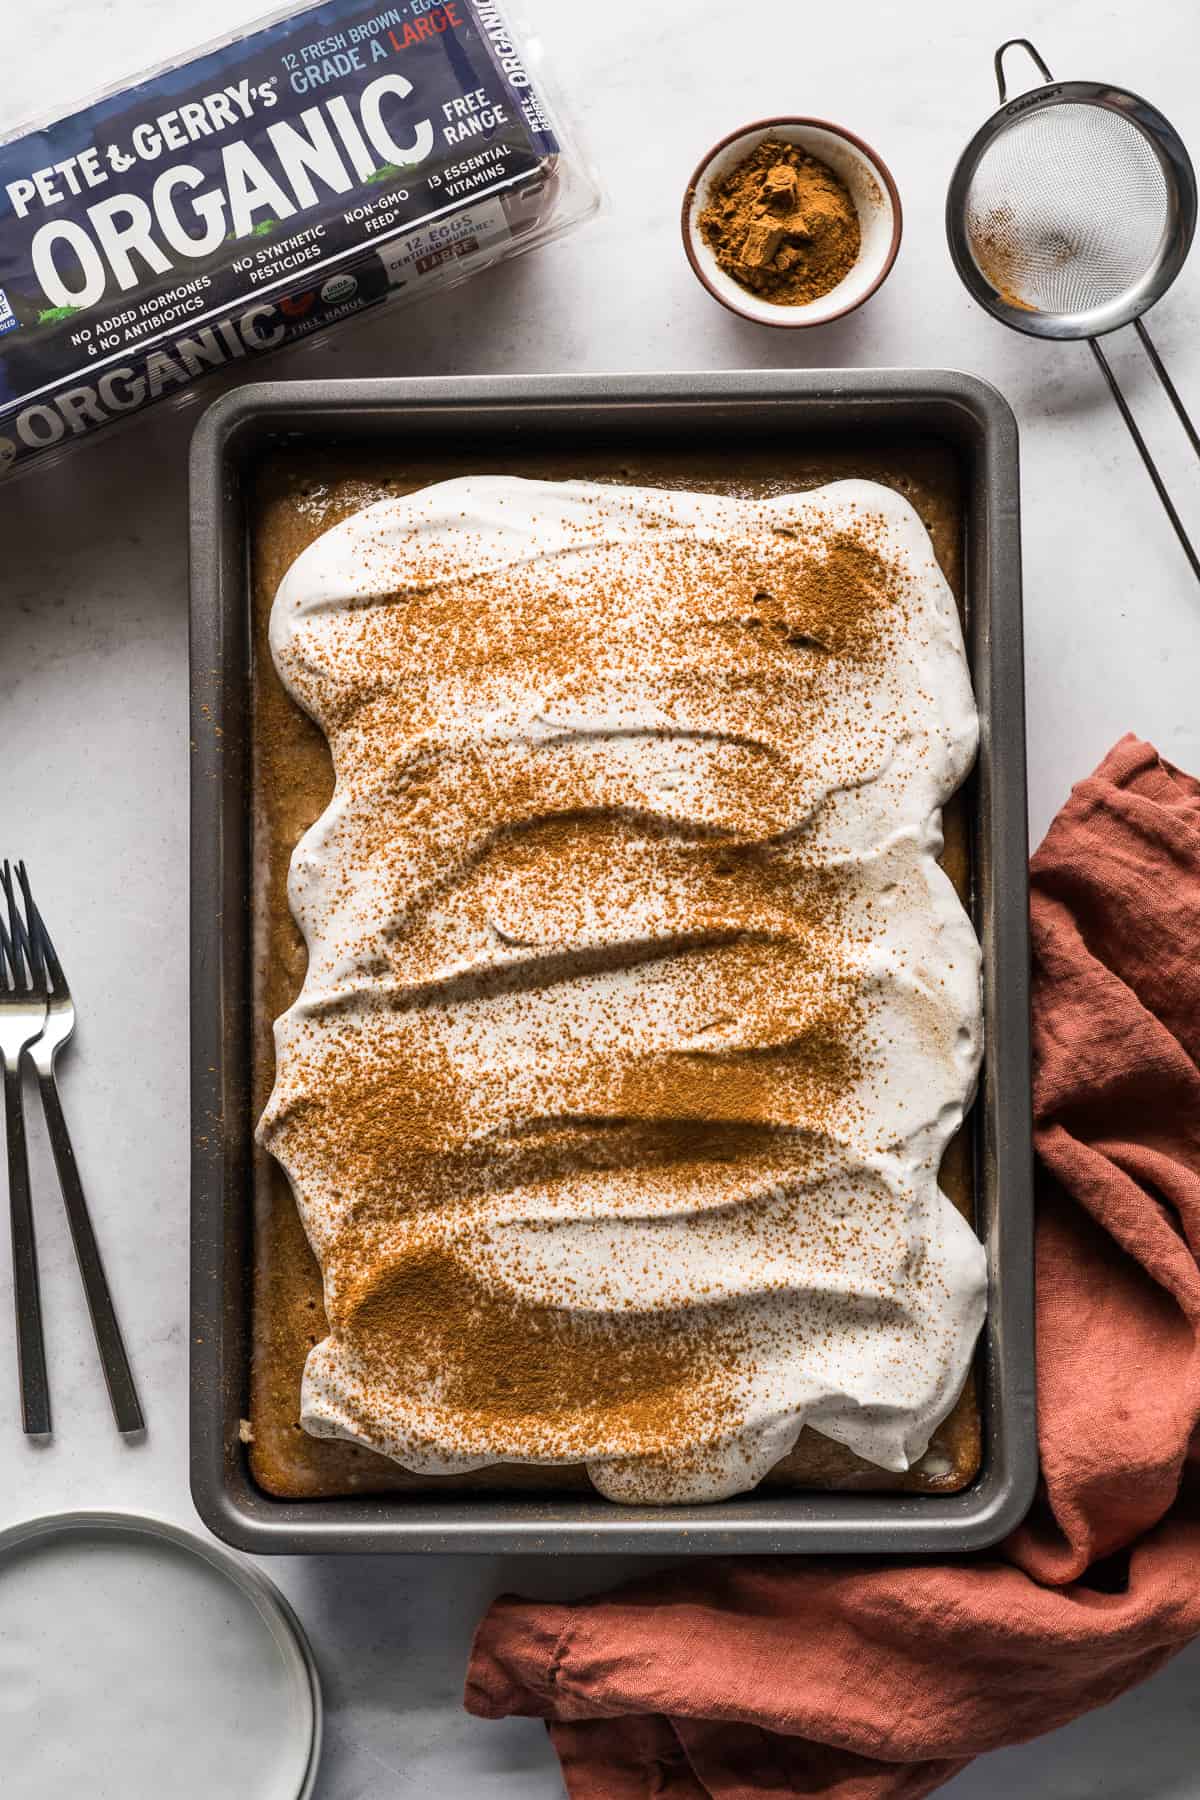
(22,1018)
(41,1053)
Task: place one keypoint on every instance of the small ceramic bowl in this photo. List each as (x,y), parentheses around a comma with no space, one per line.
(871,188)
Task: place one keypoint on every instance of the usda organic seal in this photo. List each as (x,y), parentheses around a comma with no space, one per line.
(338,288)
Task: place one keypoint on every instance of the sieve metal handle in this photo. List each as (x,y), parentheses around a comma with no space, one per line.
(1016,44)
(1143,448)
(1169,388)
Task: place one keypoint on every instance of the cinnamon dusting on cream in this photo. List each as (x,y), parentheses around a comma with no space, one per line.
(586,1098)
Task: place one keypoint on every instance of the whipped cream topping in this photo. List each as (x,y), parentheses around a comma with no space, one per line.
(638,1011)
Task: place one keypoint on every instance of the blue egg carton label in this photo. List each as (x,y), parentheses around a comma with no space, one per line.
(251,196)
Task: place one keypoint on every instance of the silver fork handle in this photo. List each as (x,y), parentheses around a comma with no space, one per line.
(31,1348)
(113,1358)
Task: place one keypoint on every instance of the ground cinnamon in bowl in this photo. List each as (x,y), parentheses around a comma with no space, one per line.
(782,224)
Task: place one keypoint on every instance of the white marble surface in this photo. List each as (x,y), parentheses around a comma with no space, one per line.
(93,711)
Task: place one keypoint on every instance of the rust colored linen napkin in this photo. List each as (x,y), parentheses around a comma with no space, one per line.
(772,1677)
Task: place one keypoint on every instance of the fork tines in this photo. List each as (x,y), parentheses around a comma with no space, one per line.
(38,937)
(26,942)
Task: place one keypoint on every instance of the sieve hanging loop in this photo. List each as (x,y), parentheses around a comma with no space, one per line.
(1071,211)
(1014,44)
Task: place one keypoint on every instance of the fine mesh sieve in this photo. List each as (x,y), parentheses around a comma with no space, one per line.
(1071,212)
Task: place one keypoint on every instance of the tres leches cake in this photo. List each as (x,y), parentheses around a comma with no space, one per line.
(638,1010)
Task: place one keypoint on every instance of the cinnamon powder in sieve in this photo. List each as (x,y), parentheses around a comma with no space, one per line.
(995,249)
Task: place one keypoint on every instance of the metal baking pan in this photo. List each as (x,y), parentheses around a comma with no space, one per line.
(720,410)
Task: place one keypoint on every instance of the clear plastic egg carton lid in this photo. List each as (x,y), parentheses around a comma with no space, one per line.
(317,164)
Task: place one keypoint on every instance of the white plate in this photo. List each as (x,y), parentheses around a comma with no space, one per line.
(138,1661)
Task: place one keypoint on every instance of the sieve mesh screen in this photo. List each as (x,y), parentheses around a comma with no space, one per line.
(1068,209)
